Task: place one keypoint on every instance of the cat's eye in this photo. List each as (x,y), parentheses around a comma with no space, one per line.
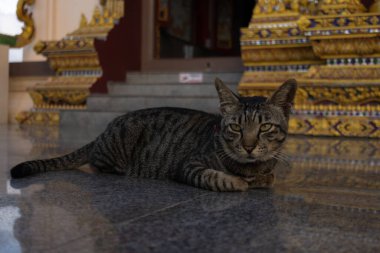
(235,127)
(265,127)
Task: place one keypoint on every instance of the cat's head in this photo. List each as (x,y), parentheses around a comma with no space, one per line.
(254,128)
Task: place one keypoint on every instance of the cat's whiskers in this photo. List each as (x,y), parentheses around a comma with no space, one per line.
(282,157)
(282,154)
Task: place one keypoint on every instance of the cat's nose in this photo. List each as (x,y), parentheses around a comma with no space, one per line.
(249,149)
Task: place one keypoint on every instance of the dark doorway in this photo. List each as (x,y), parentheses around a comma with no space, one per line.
(200,28)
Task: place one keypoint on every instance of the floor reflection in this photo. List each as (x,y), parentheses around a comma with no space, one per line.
(325,199)
(8,216)
(335,150)
(349,168)
(55,212)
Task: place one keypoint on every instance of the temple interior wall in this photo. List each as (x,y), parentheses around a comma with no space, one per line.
(4,83)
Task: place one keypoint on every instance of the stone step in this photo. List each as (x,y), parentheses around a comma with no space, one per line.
(131,103)
(175,90)
(173,77)
(147,90)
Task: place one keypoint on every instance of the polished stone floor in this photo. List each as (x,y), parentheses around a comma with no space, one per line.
(326,199)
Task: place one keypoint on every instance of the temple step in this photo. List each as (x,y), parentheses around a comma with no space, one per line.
(131,103)
(174,77)
(146,90)
(171,90)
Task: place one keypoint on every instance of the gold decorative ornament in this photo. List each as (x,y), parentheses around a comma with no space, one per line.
(278,56)
(328,98)
(76,63)
(340,7)
(375,7)
(346,48)
(23,13)
(332,49)
(25,16)
(351,126)
(84,61)
(45,118)
(357,74)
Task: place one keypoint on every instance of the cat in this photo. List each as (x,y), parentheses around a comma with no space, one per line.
(231,151)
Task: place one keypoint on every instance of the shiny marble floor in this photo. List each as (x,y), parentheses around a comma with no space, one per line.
(326,199)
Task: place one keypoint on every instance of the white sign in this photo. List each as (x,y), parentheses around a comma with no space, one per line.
(191,77)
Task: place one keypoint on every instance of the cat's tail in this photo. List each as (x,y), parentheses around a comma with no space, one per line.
(67,162)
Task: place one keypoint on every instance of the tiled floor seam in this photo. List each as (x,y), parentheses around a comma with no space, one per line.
(135,219)
(161,210)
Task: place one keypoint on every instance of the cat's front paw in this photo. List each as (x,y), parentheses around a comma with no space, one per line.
(239,184)
(260,180)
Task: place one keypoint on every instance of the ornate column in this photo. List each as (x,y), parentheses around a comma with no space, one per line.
(339,93)
(76,63)
(274,48)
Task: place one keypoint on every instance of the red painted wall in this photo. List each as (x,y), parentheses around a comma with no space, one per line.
(121,51)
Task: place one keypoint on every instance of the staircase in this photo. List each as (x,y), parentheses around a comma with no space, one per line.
(146,90)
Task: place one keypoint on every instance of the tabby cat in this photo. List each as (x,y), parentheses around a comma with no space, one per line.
(234,151)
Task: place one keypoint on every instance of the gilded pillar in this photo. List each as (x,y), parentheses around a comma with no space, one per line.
(76,63)
(331,48)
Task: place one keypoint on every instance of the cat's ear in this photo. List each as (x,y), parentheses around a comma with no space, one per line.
(284,96)
(229,102)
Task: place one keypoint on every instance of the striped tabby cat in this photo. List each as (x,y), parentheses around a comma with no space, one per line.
(234,151)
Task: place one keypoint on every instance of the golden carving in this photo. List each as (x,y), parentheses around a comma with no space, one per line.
(277,7)
(335,126)
(345,48)
(253,80)
(101,21)
(25,16)
(360,73)
(50,118)
(278,55)
(64,46)
(340,7)
(62,92)
(264,7)
(72,62)
(332,49)
(330,25)
(39,46)
(343,95)
(64,99)
(37,98)
(83,21)
(326,98)
(375,7)
(272,33)
(76,63)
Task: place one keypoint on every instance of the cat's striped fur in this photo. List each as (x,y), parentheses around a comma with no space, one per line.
(229,152)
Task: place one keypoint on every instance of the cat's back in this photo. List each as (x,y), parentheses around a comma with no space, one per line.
(167,124)
(174,111)
(157,140)
(169,116)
